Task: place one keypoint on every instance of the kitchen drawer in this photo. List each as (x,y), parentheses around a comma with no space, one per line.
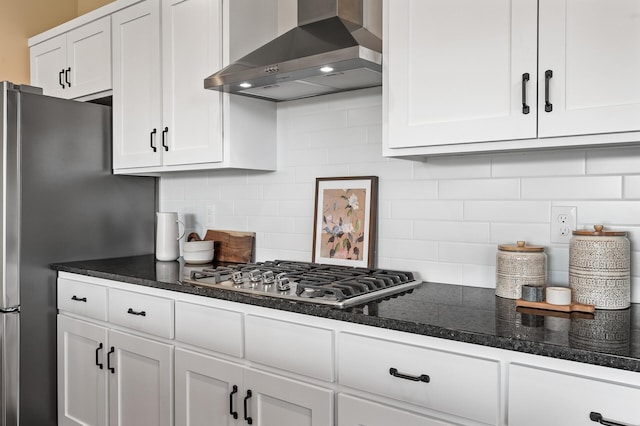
(538,396)
(294,347)
(88,300)
(354,411)
(212,328)
(459,385)
(150,314)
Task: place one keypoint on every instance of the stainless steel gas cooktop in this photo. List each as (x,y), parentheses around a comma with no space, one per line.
(337,286)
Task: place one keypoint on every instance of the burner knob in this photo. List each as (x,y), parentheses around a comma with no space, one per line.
(236,277)
(282,282)
(268,278)
(255,275)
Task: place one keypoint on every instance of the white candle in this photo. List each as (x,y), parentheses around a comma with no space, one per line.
(558,295)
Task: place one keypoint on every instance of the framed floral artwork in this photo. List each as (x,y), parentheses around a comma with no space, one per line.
(344,231)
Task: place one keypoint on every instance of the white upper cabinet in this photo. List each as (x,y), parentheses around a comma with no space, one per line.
(164,119)
(592,49)
(454,71)
(76,63)
(469,76)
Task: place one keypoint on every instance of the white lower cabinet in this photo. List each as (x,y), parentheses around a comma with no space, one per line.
(104,371)
(210,391)
(353,411)
(540,396)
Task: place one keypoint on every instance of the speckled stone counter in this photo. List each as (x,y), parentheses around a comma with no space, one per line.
(465,314)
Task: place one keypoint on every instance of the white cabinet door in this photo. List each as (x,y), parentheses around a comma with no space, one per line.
(456,68)
(207,391)
(140,381)
(568,399)
(592,49)
(354,411)
(89,59)
(137,119)
(82,384)
(191,50)
(74,64)
(48,61)
(277,401)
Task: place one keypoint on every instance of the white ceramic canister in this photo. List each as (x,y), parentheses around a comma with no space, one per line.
(167,236)
(600,268)
(518,265)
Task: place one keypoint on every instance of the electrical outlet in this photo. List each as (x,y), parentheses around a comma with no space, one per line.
(563,223)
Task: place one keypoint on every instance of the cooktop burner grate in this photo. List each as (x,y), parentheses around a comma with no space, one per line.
(339,286)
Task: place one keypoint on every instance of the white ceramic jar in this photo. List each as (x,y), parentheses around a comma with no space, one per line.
(600,268)
(518,265)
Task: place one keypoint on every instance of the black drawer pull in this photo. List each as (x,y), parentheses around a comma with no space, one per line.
(548,106)
(233,392)
(597,417)
(109,367)
(60,78)
(66,76)
(98,363)
(525,79)
(79,299)
(421,378)
(141,313)
(246,417)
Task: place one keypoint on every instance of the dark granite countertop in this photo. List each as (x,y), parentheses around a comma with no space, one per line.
(454,312)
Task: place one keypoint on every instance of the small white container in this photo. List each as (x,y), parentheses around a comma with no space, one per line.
(518,265)
(192,246)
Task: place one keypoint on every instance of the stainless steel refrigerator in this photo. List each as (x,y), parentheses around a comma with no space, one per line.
(60,202)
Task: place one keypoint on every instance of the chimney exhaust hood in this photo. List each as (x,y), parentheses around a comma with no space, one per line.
(328,52)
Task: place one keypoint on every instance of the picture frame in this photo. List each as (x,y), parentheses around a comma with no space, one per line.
(345,221)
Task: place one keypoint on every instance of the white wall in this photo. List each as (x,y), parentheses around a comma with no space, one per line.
(443,217)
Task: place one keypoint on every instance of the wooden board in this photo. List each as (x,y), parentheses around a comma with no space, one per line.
(232,246)
(573,307)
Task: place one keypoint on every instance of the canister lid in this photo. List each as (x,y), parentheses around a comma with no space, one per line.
(598,231)
(520,246)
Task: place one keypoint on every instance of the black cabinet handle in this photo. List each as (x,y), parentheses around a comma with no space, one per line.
(525,79)
(79,299)
(60,78)
(109,367)
(246,417)
(548,106)
(421,378)
(152,138)
(164,142)
(66,76)
(231,412)
(140,313)
(597,417)
(98,349)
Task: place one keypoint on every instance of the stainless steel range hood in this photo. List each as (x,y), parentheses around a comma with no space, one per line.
(329,51)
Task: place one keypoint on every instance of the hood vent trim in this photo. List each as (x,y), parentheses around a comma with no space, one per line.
(323,56)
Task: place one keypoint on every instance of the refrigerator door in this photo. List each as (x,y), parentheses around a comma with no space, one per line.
(9,355)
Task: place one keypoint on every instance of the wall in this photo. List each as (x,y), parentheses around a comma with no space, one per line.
(442,218)
(25,18)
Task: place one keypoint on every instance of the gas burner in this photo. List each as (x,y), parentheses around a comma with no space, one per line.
(338,286)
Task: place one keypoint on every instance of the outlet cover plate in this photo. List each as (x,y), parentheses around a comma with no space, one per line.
(563,223)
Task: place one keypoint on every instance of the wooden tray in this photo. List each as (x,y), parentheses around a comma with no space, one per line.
(573,307)
(230,246)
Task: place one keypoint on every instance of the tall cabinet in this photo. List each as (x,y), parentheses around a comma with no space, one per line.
(164,119)
(460,76)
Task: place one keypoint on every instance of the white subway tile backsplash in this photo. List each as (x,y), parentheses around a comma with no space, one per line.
(507,211)
(441,218)
(471,232)
(479,189)
(545,163)
(572,188)
(477,166)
